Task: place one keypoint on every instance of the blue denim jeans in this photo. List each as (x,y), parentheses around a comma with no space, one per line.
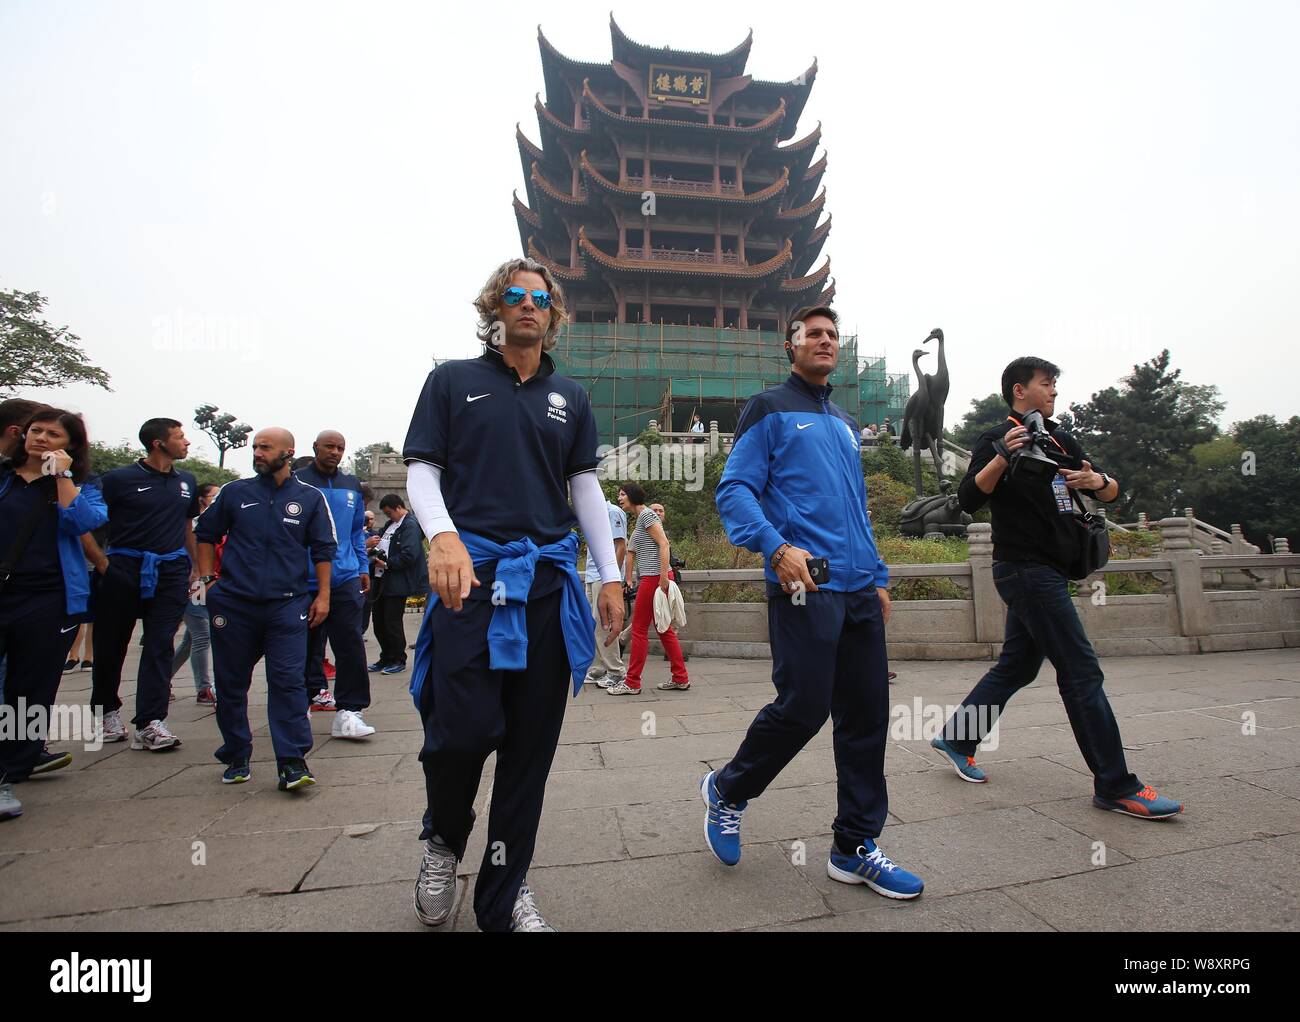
(1042,622)
(195,646)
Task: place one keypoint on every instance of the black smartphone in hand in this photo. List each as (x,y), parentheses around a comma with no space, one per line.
(819,570)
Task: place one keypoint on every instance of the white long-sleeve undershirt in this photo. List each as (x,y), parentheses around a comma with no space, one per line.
(591,509)
(424,484)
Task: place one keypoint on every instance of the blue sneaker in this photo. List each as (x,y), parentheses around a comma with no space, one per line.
(237,773)
(393,669)
(721,822)
(964,765)
(873,867)
(1147,804)
(294,774)
(376,667)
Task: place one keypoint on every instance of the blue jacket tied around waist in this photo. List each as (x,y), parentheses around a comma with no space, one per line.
(516,562)
(149,562)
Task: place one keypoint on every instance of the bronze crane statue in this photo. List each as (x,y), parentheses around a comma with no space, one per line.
(923,416)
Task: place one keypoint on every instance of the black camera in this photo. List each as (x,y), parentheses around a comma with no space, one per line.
(1030,462)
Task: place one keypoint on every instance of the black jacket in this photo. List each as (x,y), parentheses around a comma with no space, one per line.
(1031,520)
(406,573)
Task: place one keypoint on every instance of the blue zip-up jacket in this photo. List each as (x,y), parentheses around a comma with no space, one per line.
(343,494)
(86,513)
(267,527)
(794,475)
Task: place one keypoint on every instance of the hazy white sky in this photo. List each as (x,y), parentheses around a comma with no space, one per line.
(318,190)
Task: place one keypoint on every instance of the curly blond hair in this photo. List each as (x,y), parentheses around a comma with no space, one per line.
(490,298)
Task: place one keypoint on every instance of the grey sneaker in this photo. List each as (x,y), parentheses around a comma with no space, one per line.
(526,918)
(10,806)
(435,887)
(607,681)
(113,728)
(154,738)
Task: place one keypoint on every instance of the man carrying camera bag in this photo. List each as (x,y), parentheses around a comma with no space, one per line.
(1027,469)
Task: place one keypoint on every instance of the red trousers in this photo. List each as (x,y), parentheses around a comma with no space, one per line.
(643,615)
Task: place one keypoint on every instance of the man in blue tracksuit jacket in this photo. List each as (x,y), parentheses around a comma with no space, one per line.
(350,579)
(793,490)
(260,605)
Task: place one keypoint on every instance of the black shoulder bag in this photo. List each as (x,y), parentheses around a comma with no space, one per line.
(1093,541)
(19,545)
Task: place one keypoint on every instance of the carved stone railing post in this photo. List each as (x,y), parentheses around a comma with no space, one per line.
(990,613)
(1189,591)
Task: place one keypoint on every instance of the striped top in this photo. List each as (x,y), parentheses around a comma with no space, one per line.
(643,546)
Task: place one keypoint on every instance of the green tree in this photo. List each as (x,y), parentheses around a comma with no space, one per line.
(225,432)
(1143,433)
(984,414)
(361,457)
(1251,478)
(35,354)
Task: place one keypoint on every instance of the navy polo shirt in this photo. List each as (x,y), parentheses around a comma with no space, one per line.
(38,569)
(148,509)
(507,449)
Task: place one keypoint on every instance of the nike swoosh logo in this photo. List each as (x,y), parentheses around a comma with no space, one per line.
(65,631)
(302,617)
(805,425)
(141,489)
(242,506)
(476,397)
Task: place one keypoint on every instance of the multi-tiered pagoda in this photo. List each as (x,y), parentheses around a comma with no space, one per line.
(667,189)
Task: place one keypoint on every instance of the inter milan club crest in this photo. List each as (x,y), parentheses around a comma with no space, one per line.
(293,508)
(556,411)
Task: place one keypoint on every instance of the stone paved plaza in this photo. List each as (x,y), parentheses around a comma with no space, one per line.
(110,843)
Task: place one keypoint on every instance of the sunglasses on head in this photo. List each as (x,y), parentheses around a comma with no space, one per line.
(515,295)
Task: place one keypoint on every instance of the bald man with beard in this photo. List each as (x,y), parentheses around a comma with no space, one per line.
(262,606)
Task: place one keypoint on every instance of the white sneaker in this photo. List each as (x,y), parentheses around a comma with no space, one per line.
(620,688)
(348,724)
(525,918)
(435,887)
(9,806)
(154,738)
(113,729)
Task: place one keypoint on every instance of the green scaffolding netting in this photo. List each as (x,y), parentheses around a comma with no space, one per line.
(635,373)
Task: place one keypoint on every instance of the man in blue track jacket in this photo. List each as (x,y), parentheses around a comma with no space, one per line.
(793,490)
(261,606)
(350,578)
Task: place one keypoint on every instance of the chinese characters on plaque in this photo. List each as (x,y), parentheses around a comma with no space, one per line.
(679,83)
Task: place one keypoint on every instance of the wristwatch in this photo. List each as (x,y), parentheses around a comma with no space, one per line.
(1105,482)
(207,580)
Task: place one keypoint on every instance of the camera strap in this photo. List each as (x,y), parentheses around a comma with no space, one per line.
(1012,418)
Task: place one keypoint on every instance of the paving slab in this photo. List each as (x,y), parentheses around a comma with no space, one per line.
(1250,886)
(1217,811)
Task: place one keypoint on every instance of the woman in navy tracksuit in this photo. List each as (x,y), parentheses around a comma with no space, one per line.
(45,584)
